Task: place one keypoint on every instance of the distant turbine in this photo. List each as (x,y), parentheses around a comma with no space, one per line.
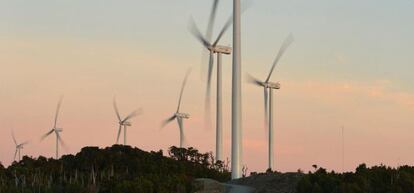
(214,48)
(19,146)
(56,130)
(268,96)
(124,123)
(178,115)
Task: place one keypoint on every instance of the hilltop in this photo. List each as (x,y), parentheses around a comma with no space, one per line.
(123,169)
(376,179)
(271,182)
(116,169)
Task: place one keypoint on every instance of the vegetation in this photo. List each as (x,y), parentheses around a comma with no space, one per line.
(122,169)
(116,169)
(378,179)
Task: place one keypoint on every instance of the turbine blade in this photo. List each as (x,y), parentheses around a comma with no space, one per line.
(209,35)
(210,72)
(46,135)
(254,80)
(116,109)
(207,106)
(211,20)
(57,111)
(61,142)
(197,34)
(25,143)
(15,154)
(223,30)
(14,138)
(228,23)
(133,114)
(286,43)
(119,133)
(164,123)
(246,5)
(182,89)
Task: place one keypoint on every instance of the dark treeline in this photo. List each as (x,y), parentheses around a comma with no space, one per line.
(116,169)
(377,179)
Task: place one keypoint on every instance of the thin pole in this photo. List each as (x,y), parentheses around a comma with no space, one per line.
(343,150)
(180,125)
(271,129)
(125,135)
(20,158)
(219,113)
(236,149)
(57,147)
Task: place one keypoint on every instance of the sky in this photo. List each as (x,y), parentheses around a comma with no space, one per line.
(350,66)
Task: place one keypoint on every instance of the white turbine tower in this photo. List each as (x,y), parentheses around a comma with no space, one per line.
(178,115)
(214,48)
(19,147)
(268,98)
(124,123)
(236,110)
(56,130)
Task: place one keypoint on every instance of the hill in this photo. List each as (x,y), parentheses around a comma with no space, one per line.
(116,169)
(271,182)
(377,179)
(123,169)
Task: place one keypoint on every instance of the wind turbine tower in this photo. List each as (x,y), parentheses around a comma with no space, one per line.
(343,148)
(236,117)
(219,103)
(271,86)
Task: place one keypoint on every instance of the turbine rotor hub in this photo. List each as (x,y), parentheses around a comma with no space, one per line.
(58,129)
(271,85)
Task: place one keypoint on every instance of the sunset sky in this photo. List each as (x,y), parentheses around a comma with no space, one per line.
(351,65)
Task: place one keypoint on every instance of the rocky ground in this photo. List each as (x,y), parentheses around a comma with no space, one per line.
(271,182)
(211,186)
(261,183)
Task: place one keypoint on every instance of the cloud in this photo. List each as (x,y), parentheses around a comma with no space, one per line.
(340,59)
(341,91)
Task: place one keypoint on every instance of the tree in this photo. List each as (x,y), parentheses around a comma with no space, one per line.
(110,170)
(377,179)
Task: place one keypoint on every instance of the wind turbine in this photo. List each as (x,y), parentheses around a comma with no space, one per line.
(179,116)
(268,96)
(214,48)
(56,130)
(19,146)
(124,123)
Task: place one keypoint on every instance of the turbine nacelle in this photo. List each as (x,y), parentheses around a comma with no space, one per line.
(182,115)
(126,123)
(58,130)
(271,85)
(221,49)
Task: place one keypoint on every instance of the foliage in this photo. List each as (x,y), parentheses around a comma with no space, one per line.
(116,169)
(378,179)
